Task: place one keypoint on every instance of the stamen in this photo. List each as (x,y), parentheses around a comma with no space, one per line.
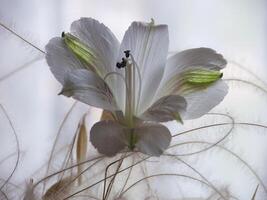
(63,34)
(130,66)
(118,65)
(122,64)
(135,65)
(127,53)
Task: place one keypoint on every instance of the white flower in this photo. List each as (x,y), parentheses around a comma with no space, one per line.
(135,81)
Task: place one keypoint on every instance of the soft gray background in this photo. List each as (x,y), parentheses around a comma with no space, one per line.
(237,29)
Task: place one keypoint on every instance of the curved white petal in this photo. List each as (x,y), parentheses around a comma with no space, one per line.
(101,42)
(202,101)
(184,61)
(60,59)
(152,139)
(200,98)
(88,88)
(149,46)
(105,47)
(165,109)
(108,137)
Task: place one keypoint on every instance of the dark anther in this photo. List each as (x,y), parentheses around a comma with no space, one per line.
(221,75)
(127,53)
(118,65)
(122,63)
(63,34)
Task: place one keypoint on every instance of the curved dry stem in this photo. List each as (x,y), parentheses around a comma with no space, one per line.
(21,38)
(110,176)
(144,171)
(24,66)
(201,127)
(68,168)
(57,138)
(106,171)
(127,179)
(208,126)
(89,167)
(248,71)
(105,180)
(69,153)
(248,83)
(76,177)
(7,157)
(98,182)
(4,194)
(197,172)
(113,178)
(166,174)
(254,194)
(234,155)
(17,145)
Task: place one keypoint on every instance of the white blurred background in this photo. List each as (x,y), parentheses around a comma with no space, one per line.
(236,29)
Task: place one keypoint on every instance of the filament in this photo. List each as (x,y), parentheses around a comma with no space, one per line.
(135,65)
(119,75)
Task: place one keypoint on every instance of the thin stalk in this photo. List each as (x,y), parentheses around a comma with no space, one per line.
(20,37)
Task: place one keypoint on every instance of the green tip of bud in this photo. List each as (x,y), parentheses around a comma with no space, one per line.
(178,118)
(202,76)
(61,92)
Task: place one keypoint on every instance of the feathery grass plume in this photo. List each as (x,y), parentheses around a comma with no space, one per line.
(59,190)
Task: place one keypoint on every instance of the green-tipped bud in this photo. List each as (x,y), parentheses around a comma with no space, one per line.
(202,76)
(80,49)
(178,118)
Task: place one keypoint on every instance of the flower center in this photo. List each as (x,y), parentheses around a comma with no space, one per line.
(128,64)
(131,81)
(132,94)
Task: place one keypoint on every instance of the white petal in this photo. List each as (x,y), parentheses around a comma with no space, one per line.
(202,101)
(200,98)
(153,139)
(88,88)
(165,109)
(184,61)
(105,48)
(149,46)
(100,40)
(108,137)
(60,59)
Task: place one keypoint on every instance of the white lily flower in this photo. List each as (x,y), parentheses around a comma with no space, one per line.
(135,81)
